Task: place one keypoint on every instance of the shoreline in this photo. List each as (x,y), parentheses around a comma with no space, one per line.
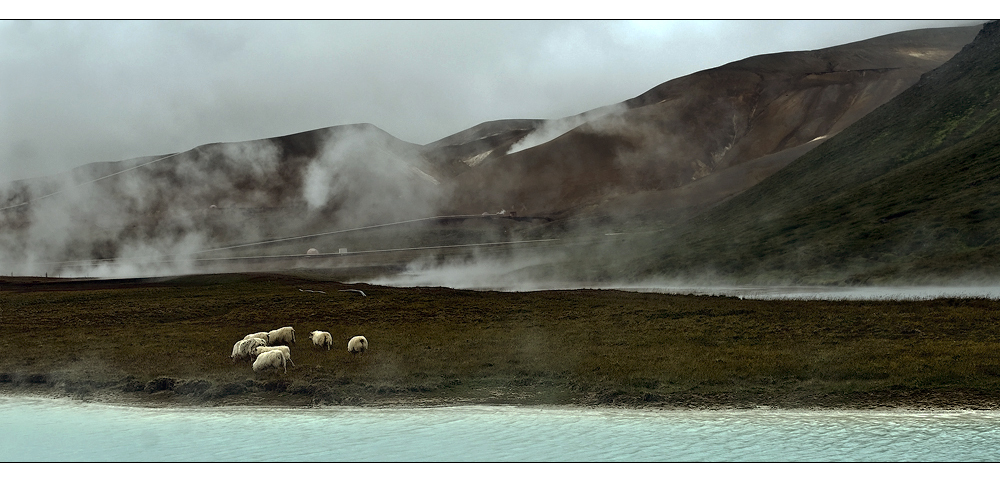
(261,397)
(127,402)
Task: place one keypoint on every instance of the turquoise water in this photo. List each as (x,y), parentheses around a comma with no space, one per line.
(66,430)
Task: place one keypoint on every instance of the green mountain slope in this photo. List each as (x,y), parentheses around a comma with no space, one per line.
(908,194)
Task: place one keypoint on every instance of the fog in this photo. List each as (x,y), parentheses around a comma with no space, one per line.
(518,275)
(166,212)
(159,219)
(477,273)
(78,92)
(551,129)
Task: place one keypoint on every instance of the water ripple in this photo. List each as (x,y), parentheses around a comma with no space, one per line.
(63,430)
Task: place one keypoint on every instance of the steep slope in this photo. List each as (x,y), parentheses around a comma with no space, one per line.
(909,193)
(704,123)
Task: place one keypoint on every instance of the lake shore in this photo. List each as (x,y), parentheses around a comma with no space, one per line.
(167,342)
(261,396)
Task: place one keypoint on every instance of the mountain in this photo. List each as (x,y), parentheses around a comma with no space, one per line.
(910,193)
(459,152)
(754,115)
(217,195)
(654,160)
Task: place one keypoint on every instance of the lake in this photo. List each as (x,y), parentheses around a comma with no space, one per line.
(65,430)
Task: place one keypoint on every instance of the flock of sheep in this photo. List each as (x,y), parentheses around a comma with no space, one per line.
(270,349)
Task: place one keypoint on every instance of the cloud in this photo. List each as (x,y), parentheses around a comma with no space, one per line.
(218,200)
(362,179)
(81,92)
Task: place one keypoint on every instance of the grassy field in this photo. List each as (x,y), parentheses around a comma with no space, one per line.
(170,340)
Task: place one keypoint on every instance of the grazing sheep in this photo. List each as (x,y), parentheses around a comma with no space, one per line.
(357,345)
(283,349)
(321,339)
(243,348)
(270,359)
(259,334)
(283,335)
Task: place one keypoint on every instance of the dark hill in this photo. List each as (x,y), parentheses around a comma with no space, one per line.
(657,159)
(702,124)
(462,151)
(216,195)
(909,193)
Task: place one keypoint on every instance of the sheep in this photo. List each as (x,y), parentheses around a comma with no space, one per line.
(357,344)
(270,359)
(259,334)
(283,335)
(321,339)
(283,349)
(243,348)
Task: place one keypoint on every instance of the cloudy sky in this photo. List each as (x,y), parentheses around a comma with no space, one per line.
(76,92)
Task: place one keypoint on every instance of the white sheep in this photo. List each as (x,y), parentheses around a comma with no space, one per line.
(270,359)
(321,339)
(357,344)
(284,335)
(259,334)
(244,348)
(283,349)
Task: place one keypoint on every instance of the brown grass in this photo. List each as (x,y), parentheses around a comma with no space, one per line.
(170,340)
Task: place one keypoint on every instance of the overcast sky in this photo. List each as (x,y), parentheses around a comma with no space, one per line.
(76,92)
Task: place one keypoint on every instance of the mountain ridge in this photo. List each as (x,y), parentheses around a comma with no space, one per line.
(656,163)
(699,123)
(907,193)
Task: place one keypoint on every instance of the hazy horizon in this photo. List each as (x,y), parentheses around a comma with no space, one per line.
(78,92)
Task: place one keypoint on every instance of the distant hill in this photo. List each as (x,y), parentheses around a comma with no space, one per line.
(216,195)
(752,116)
(910,193)
(652,162)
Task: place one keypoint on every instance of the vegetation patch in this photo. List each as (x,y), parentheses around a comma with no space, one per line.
(435,345)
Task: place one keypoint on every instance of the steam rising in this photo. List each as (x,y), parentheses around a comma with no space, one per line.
(360,175)
(533,272)
(554,128)
(254,200)
(507,273)
(140,218)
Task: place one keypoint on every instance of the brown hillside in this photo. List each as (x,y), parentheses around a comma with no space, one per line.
(705,123)
(215,195)
(664,155)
